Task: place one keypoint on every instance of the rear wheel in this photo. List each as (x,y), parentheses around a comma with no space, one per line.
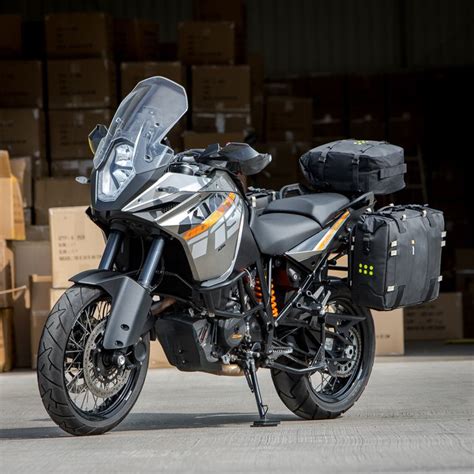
(330,392)
(86,389)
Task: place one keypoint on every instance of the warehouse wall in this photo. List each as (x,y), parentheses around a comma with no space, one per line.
(304,36)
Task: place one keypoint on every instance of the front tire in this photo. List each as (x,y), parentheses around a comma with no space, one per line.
(300,393)
(83,392)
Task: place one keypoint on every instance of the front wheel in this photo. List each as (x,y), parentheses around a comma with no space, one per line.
(86,389)
(329,393)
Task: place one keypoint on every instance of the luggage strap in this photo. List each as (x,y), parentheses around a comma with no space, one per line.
(392,171)
(322,161)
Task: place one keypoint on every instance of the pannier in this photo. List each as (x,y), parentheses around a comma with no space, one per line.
(396,257)
(355,166)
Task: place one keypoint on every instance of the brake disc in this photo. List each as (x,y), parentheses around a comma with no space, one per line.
(353,352)
(102,380)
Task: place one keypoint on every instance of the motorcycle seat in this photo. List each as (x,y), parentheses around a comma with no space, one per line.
(276,233)
(321,207)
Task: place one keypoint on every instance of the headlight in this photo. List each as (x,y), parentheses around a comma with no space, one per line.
(117,172)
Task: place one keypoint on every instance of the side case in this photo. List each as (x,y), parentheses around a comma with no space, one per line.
(396,257)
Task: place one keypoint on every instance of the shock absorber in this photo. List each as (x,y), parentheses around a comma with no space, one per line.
(259,296)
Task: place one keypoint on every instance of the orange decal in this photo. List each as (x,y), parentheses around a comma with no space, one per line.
(323,243)
(212,219)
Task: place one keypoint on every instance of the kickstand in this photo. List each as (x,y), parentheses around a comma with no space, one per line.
(251,376)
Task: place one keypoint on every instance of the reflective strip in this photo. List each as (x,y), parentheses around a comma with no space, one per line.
(394,243)
(443,234)
(440,278)
(390,289)
(393,253)
(323,243)
(443,243)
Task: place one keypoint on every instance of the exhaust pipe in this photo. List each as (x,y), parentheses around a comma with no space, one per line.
(230,370)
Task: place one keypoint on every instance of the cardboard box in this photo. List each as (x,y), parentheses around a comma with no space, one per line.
(31,257)
(6,339)
(12,222)
(158,358)
(258,116)
(71,168)
(22,132)
(58,192)
(465,285)
(327,126)
(220,122)
(10,36)
(327,91)
(77,244)
(212,10)
(37,232)
(257,73)
(7,275)
(367,127)
(54,295)
(21,84)
(221,88)
(134,72)
(389,332)
(203,42)
(69,131)
(136,39)
(39,289)
(437,320)
(22,169)
(202,140)
(81,84)
(289,119)
(78,35)
(283,168)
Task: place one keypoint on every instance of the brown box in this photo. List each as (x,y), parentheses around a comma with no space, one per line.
(22,169)
(389,332)
(327,92)
(367,127)
(220,122)
(58,192)
(37,232)
(221,88)
(12,222)
(7,275)
(71,168)
(134,72)
(39,289)
(6,339)
(136,39)
(257,74)
(21,84)
(54,295)
(289,119)
(69,130)
(10,36)
(328,126)
(22,132)
(78,35)
(202,140)
(158,359)
(283,168)
(204,42)
(81,83)
(437,320)
(215,10)
(31,257)
(77,244)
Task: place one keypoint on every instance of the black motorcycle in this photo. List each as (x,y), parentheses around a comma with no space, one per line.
(227,286)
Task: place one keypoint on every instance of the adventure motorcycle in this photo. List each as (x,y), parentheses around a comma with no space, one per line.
(228,287)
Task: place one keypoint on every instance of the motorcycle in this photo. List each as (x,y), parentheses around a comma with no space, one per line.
(227,286)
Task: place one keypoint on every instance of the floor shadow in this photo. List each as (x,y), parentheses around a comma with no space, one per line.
(149,422)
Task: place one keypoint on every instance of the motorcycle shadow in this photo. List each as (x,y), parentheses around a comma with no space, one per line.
(148,422)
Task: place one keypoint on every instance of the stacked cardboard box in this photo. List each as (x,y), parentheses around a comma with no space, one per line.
(81,84)
(136,39)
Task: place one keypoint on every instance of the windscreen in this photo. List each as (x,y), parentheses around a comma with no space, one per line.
(132,144)
(145,116)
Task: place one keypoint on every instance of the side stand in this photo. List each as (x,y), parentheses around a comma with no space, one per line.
(252,380)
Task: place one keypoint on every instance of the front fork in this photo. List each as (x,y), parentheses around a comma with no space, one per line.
(145,279)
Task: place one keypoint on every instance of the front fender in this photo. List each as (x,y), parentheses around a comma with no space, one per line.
(131,305)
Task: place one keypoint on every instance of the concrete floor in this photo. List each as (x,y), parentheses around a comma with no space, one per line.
(416,415)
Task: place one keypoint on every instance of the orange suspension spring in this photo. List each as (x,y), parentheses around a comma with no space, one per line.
(259,296)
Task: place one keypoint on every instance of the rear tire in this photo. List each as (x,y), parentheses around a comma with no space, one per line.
(298,393)
(54,372)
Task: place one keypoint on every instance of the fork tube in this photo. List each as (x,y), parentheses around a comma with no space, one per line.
(151,262)
(111,249)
